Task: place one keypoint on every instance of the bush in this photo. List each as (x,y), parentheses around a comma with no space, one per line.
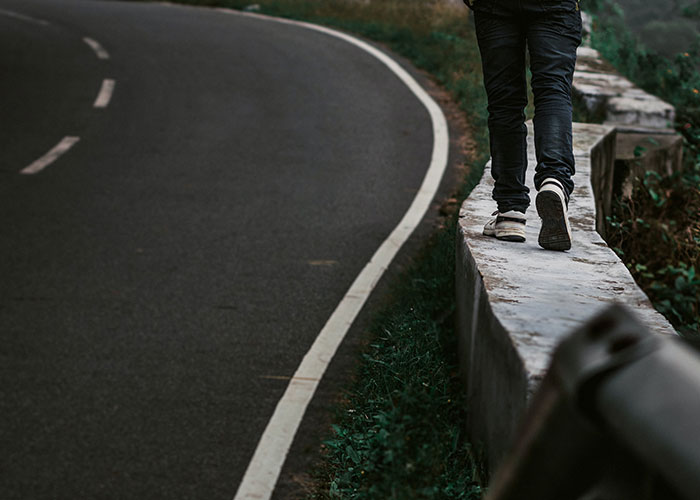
(657,232)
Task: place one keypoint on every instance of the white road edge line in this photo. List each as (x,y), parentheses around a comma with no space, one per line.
(50,157)
(100,52)
(105,94)
(22,17)
(263,471)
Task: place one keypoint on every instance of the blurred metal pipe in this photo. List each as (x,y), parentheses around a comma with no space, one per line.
(652,407)
(618,409)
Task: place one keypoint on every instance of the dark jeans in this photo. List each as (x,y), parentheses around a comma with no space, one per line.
(551,30)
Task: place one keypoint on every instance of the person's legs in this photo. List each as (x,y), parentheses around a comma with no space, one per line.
(502,44)
(552,37)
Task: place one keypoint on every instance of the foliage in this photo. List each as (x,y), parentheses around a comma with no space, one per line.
(665,26)
(676,80)
(657,234)
(657,231)
(692,11)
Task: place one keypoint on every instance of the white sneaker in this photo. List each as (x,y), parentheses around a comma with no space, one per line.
(508,226)
(551,202)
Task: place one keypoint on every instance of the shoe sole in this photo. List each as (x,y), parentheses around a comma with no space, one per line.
(505,237)
(511,237)
(510,231)
(554,234)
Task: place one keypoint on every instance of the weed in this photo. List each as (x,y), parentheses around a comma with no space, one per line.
(657,232)
(398,434)
(657,235)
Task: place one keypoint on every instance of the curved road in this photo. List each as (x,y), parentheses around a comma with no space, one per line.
(163,277)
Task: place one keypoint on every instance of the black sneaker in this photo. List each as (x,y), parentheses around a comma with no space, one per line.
(551,202)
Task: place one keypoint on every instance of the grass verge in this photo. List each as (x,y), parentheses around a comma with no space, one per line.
(398,431)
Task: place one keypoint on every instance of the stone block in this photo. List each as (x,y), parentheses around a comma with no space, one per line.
(660,153)
(631,109)
(607,93)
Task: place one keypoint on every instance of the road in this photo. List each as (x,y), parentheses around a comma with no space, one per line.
(162,277)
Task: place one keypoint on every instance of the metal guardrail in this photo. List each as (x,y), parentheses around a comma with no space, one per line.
(617,417)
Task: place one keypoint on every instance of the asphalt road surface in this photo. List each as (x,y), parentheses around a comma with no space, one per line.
(163,275)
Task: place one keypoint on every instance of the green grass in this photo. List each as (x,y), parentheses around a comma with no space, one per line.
(399,432)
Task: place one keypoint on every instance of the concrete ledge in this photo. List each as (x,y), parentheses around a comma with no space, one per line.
(638,152)
(606,92)
(515,301)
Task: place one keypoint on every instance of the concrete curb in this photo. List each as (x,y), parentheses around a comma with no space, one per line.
(606,92)
(516,301)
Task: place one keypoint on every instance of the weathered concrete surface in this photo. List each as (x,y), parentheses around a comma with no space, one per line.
(606,92)
(515,301)
(586,28)
(638,152)
(645,118)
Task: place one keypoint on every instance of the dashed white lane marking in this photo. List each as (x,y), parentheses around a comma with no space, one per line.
(105,94)
(95,45)
(264,469)
(22,17)
(50,157)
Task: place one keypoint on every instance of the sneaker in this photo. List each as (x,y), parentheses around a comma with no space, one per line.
(508,226)
(551,202)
